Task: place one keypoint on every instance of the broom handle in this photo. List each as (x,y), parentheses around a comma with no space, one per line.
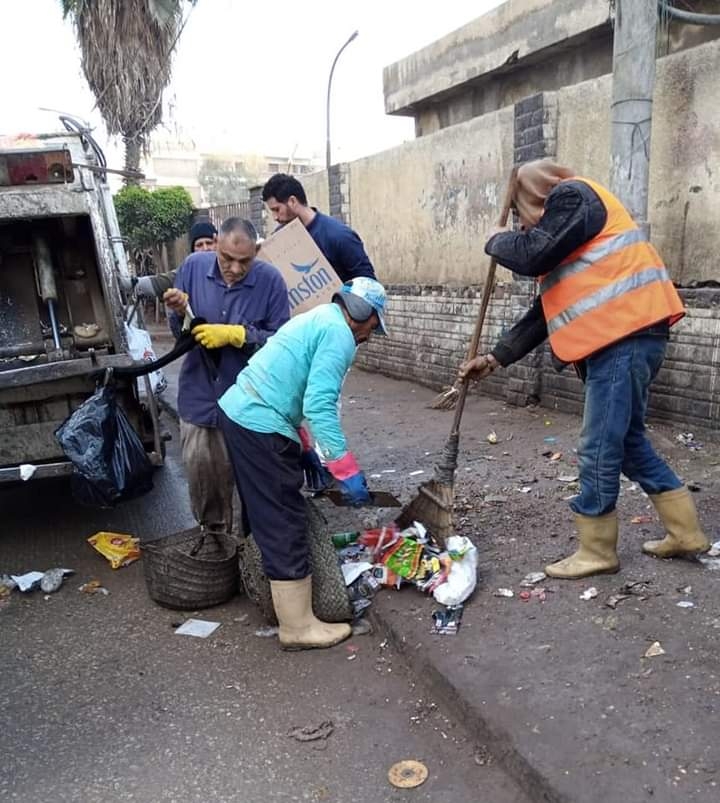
(487,292)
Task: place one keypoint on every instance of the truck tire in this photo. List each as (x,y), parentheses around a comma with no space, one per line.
(330,597)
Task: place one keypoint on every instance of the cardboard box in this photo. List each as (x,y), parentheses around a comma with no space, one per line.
(309,277)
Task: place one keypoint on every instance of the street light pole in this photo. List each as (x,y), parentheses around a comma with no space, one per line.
(327,111)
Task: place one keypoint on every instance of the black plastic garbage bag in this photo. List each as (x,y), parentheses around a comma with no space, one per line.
(109,459)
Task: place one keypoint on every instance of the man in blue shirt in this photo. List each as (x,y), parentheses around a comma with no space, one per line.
(244,301)
(344,250)
(297,376)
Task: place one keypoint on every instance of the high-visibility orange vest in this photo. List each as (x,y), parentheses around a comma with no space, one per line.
(613,285)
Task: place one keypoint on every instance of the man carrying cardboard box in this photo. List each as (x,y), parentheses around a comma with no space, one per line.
(286,199)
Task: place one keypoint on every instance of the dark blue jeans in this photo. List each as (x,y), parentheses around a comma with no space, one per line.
(613,438)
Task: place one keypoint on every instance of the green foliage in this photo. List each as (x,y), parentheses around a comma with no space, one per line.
(148,218)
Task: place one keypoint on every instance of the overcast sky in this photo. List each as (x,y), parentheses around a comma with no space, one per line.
(247,76)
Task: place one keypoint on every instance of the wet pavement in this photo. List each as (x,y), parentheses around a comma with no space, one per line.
(101,700)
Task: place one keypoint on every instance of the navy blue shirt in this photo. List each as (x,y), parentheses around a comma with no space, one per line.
(259,302)
(342,247)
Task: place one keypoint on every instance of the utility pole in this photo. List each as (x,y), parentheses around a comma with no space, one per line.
(634,48)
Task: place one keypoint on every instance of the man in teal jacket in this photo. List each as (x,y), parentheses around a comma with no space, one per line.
(297,377)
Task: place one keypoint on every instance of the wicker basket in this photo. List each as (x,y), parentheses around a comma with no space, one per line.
(190,570)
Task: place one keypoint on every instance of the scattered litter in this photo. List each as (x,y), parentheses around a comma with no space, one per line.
(352,657)
(351,571)
(525,489)
(685,603)
(267,632)
(711,563)
(695,487)
(548,422)
(463,572)
(550,439)
(524,596)
(118,548)
(53,579)
(684,589)
(640,588)
(555,456)
(93,587)
(26,471)
(654,650)
(495,499)
(714,550)
(567,478)
(312,733)
(504,592)
(532,579)
(197,627)
(415,473)
(645,519)
(407,774)
(538,594)
(614,599)
(492,437)
(375,476)
(388,471)
(341,540)
(27,581)
(589,593)
(7,583)
(362,627)
(447,622)
(688,439)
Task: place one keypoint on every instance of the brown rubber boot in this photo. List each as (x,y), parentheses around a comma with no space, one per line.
(684,534)
(300,629)
(597,553)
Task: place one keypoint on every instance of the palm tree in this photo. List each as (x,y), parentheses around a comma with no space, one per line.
(126,48)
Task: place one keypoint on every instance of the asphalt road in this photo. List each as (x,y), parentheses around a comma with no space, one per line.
(100,700)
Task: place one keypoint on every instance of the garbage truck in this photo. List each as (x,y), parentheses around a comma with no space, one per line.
(62,309)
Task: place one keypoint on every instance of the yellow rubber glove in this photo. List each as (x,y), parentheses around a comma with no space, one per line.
(217,335)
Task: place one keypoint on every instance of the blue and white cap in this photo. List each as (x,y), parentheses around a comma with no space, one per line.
(363,296)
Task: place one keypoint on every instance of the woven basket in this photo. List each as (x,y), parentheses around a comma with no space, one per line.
(189,570)
(330,600)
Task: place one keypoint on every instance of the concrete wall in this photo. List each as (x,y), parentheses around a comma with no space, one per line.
(316,189)
(684,204)
(424,209)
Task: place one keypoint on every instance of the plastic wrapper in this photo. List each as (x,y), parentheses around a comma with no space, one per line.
(463,572)
(118,548)
(447,622)
(379,540)
(109,459)
(404,557)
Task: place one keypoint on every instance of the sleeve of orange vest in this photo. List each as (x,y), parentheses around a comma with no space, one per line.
(573,215)
(523,337)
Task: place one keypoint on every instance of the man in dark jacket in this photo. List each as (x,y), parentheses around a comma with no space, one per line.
(606,303)
(344,250)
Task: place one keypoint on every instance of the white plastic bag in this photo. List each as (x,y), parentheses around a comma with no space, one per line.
(463,573)
(141,348)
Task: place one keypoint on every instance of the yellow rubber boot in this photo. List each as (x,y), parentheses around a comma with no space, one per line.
(679,517)
(300,629)
(597,553)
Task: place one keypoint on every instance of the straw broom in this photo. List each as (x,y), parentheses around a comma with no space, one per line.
(433,504)
(449,396)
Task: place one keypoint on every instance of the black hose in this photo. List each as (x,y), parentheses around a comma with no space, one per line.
(688,17)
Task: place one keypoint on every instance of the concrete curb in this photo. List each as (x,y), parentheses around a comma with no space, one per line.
(481,726)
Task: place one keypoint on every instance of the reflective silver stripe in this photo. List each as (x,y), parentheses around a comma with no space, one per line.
(592,256)
(612,291)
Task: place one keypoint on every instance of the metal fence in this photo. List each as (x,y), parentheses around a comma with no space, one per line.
(223,211)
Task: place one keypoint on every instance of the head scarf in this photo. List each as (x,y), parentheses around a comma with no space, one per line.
(535,181)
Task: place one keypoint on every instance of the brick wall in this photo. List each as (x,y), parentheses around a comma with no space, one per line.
(339,192)
(431,326)
(257,211)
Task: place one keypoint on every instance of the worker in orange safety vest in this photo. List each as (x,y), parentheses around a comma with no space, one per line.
(606,303)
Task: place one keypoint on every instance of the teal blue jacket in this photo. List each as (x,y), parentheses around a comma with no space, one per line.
(296,376)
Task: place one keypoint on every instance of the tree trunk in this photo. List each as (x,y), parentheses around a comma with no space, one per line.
(133,148)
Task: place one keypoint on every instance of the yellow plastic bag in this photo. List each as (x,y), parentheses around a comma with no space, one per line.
(119,549)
